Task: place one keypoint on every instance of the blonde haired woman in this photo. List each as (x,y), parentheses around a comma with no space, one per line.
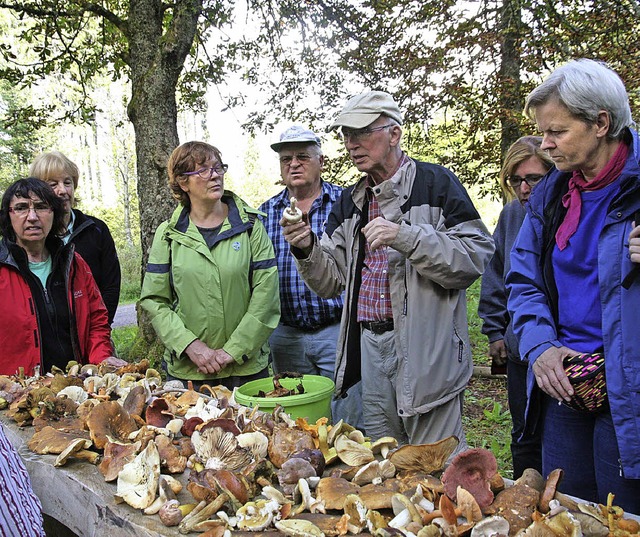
(524,166)
(90,235)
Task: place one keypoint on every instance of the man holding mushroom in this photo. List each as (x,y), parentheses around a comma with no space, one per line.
(403,244)
(305,339)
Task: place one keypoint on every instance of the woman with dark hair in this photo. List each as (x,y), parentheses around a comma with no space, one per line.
(525,164)
(574,285)
(211,286)
(52,309)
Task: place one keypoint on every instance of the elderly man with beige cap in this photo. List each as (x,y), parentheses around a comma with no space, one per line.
(305,339)
(403,243)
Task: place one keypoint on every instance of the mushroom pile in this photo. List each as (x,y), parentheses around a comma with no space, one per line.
(246,470)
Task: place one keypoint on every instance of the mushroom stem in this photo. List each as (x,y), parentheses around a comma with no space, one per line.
(158,393)
(199,515)
(87,455)
(427,518)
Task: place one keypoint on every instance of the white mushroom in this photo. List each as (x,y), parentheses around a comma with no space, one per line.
(256,442)
(206,411)
(299,528)
(292,214)
(75,393)
(258,515)
(164,495)
(493,525)
(351,452)
(272,493)
(219,449)
(174,426)
(384,445)
(138,480)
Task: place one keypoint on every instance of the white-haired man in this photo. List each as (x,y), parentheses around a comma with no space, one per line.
(403,243)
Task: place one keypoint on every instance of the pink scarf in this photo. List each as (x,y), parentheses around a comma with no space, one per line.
(572,200)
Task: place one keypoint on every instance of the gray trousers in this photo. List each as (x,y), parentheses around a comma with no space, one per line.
(380,409)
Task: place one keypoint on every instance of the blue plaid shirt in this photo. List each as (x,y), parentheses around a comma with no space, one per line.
(300,306)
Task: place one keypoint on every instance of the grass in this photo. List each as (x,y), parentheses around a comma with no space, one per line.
(124,338)
(486,416)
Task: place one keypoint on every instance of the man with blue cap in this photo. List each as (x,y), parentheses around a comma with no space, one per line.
(305,339)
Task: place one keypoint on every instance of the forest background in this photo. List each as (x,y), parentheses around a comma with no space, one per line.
(117,84)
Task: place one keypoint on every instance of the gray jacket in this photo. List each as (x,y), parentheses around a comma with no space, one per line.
(441,249)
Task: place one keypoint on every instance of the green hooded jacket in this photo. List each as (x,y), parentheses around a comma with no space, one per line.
(227,295)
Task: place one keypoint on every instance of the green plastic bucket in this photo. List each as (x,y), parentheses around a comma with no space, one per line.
(314,404)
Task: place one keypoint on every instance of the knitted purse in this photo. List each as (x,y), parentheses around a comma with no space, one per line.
(586,374)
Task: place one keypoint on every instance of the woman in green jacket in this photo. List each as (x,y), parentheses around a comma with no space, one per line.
(211,285)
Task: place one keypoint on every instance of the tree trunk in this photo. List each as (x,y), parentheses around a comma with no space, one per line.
(510,96)
(156,57)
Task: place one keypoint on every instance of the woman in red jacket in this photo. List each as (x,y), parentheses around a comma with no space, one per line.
(52,311)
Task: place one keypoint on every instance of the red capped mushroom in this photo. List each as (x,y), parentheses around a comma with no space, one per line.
(472,470)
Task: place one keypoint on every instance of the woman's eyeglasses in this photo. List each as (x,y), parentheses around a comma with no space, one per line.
(207,173)
(514,181)
(22,209)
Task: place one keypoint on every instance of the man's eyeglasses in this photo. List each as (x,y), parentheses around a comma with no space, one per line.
(514,181)
(207,173)
(361,134)
(22,209)
(302,158)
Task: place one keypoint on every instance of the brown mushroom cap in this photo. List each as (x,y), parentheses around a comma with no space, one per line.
(427,458)
(135,401)
(472,470)
(170,457)
(50,440)
(226,424)
(109,420)
(116,455)
(549,492)
(158,413)
(285,441)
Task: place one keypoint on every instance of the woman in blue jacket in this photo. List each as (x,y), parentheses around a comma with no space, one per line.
(572,288)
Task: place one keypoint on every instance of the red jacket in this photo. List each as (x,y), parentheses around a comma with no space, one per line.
(19,321)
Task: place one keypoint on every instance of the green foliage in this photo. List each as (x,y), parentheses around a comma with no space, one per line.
(489,430)
(130,258)
(18,140)
(133,348)
(460,71)
(123,338)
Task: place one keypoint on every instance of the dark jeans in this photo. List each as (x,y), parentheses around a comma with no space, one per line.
(228,382)
(526,452)
(584,445)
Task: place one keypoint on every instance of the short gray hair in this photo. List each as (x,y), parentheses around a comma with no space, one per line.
(585,87)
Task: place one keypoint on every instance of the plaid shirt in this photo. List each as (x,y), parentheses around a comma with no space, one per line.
(374,298)
(301,307)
